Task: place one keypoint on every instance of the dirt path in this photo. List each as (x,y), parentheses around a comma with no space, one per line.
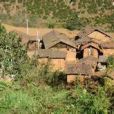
(42,31)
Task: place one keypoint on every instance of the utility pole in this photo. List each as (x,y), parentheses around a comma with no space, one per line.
(27,26)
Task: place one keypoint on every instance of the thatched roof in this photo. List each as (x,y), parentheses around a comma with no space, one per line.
(89,30)
(52,54)
(86,40)
(83,66)
(79,69)
(94,45)
(89,60)
(82,37)
(52,38)
(108,45)
(23,36)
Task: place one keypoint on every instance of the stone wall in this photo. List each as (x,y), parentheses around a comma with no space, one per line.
(94,52)
(58,64)
(71,55)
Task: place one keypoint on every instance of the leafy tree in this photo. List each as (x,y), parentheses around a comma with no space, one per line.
(12,53)
(73,22)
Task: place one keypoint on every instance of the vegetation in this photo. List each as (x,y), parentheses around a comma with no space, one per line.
(72,14)
(12,53)
(36,89)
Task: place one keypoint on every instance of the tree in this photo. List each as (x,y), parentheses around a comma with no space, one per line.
(73,22)
(12,53)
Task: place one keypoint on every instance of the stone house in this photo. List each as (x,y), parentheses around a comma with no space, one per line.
(84,67)
(83,56)
(55,58)
(94,41)
(29,41)
(60,42)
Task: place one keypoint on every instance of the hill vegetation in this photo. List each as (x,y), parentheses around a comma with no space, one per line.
(71,14)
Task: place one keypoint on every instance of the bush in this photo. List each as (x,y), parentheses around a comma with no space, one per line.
(73,22)
(12,53)
(17,102)
(83,102)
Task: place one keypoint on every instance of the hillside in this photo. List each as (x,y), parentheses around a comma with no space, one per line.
(71,14)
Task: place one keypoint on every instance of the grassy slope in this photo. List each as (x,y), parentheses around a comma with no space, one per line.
(59,14)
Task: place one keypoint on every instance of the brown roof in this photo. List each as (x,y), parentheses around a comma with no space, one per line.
(89,30)
(89,60)
(79,68)
(83,66)
(108,45)
(52,38)
(25,38)
(52,54)
(85,40)
(82,37)
(92,45)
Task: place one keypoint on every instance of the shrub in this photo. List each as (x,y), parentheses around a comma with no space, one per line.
(17,102)
(73,22)
(83,102)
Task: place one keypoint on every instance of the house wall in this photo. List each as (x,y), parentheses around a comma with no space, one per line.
(58,64)
(71,55)
(87,53)
(108,52)
(32,46)
(95,53)
(99,36)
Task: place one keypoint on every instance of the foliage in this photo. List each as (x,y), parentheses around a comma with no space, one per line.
(73,22)
(110,61)
(12,53)
(84,102)
(63,13)
(17,102)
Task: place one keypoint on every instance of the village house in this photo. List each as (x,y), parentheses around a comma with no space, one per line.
(92,42)
(82,56)
(60,42)
(83,68)
(31,42)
